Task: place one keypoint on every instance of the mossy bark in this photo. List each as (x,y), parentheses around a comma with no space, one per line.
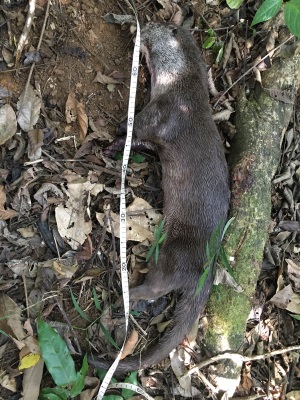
(261,122)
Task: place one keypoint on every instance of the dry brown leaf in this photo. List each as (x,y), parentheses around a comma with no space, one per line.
(8,383)
(105,79)
(71,108)
(293,267)
(8,123)
(10,318)
(5,213)
(65,267)
(82,121)
(118,75)
(32,378)
(29,106)
(35,143)
(282,298)
(294,395)
(140,222)
(72,218)
(167,11)
(179,369)
(130,344)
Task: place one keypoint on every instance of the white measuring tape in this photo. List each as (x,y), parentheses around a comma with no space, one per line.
(123,239)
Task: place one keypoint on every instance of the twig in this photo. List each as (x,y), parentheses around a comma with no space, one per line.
(26,30)
(26,294)
(27,67)
(37,49)
(253,66)
(64,314)
(137,324)
(209,386)
(238,358)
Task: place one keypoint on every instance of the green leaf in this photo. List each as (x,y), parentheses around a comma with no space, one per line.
(107,335)
(77,307)
(267,10)
(234,3)
(295,317)
(209,42)
(79,384)
(55,393)
(112,397)
(101,375)
(118,156)
(132,378)
(292,16)
(202,280)
(56,355)
(138,158)
(96,300)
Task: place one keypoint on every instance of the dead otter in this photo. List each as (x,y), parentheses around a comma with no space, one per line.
(178,121)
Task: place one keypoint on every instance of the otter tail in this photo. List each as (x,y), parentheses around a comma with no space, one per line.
(187,309)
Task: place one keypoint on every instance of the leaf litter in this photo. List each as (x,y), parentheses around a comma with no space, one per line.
(59,194)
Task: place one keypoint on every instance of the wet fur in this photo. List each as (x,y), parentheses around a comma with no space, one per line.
(178,121)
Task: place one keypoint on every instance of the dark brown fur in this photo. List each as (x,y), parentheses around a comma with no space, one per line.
(178,121)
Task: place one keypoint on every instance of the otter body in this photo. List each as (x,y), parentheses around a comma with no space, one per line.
(178,121)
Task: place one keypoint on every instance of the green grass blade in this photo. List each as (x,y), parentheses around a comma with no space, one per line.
(156,254)
(96,300)
(77,307)
(79,384)
(107,335)
(202,280)
(151,251)
(227,225)
(162,238)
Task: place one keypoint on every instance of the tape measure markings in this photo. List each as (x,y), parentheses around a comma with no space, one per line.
(123,240)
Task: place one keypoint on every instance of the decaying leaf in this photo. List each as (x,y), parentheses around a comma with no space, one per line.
(8,123)
(29,106)
(105,79)
(179,369)
(65,267)
(31,381)
(75,112)
(167,10)
(8,383)
(112,18)
(282,95)
(42,194)
(282,298)
(82,121)
(130,344)
(71,108)
(5,212)
(35,143)
(10,318)
(140,222)
(72,218)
